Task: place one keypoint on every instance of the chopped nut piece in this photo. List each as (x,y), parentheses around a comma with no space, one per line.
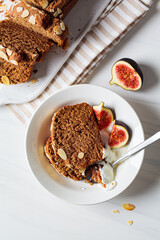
(5,80)
(60,16)
(3,55)
(115,211)
(52,10)
(25,13)
(128,206)
(44,4)
(130,222)
(81,155)
(32,19)
(62,154)
(57,30)
(19,9)
(14,62)
(33,81)
(1,47)
(62,25)
(9,52)
(59,11)
(55,14)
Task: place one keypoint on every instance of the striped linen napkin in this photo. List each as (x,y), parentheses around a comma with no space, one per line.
(115,21)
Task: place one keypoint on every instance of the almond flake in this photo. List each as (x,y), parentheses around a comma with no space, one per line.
(52,10)
(33,81)
(3,55)
(44,4)
(128,206)
(62,154)
(57,30)
(130,222)
(9,52)
(19,9)
(5,80)
(1,47)
(80,155)
(32,19)
(62,25)
(25,13)
(59,11)
(55,14)
(115,211)
(14,62)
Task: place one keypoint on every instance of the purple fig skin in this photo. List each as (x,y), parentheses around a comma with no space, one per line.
(119,123)
(132,65)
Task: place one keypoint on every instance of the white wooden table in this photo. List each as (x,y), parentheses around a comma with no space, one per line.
(27,211)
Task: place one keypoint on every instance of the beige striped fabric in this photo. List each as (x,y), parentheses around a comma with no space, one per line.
(113,24)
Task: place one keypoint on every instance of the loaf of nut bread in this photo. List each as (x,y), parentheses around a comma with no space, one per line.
(39,21)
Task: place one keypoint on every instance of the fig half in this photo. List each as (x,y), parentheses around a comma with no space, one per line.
(104,116)
(119,135)
(127,74)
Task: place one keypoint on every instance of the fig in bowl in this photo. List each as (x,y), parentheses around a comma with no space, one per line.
(119,135)
(104,116)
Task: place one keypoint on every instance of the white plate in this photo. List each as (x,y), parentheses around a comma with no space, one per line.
(82,17)
(38,130)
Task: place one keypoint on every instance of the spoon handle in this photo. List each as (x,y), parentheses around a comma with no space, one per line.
(138,148)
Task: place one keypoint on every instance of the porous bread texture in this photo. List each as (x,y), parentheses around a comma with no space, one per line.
(39,21)
(75,131)
(24,41)
(15,73)
(59,164)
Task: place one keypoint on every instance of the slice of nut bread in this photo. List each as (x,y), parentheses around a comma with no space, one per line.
(75,136)
(23,41)
(59,164)
(38,21)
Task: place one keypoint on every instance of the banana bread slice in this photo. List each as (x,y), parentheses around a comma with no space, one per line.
(38,21)
(59,164)
(75,136)
(23,41)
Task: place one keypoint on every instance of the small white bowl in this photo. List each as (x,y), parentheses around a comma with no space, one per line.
(38,130)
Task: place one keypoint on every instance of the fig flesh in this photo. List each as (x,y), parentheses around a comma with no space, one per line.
(127,74)
(119,135)
(104,116)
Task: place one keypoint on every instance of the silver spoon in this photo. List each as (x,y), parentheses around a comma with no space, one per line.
(138,148)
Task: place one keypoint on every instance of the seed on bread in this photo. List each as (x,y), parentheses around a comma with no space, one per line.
(5,80)
(62,25)
(25,13)
(59,11)
(14,62)
(57,30)
(3,55)
(44,3)
(9,52)
(32,19)
(55,14)
(80,155)
(62,154)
